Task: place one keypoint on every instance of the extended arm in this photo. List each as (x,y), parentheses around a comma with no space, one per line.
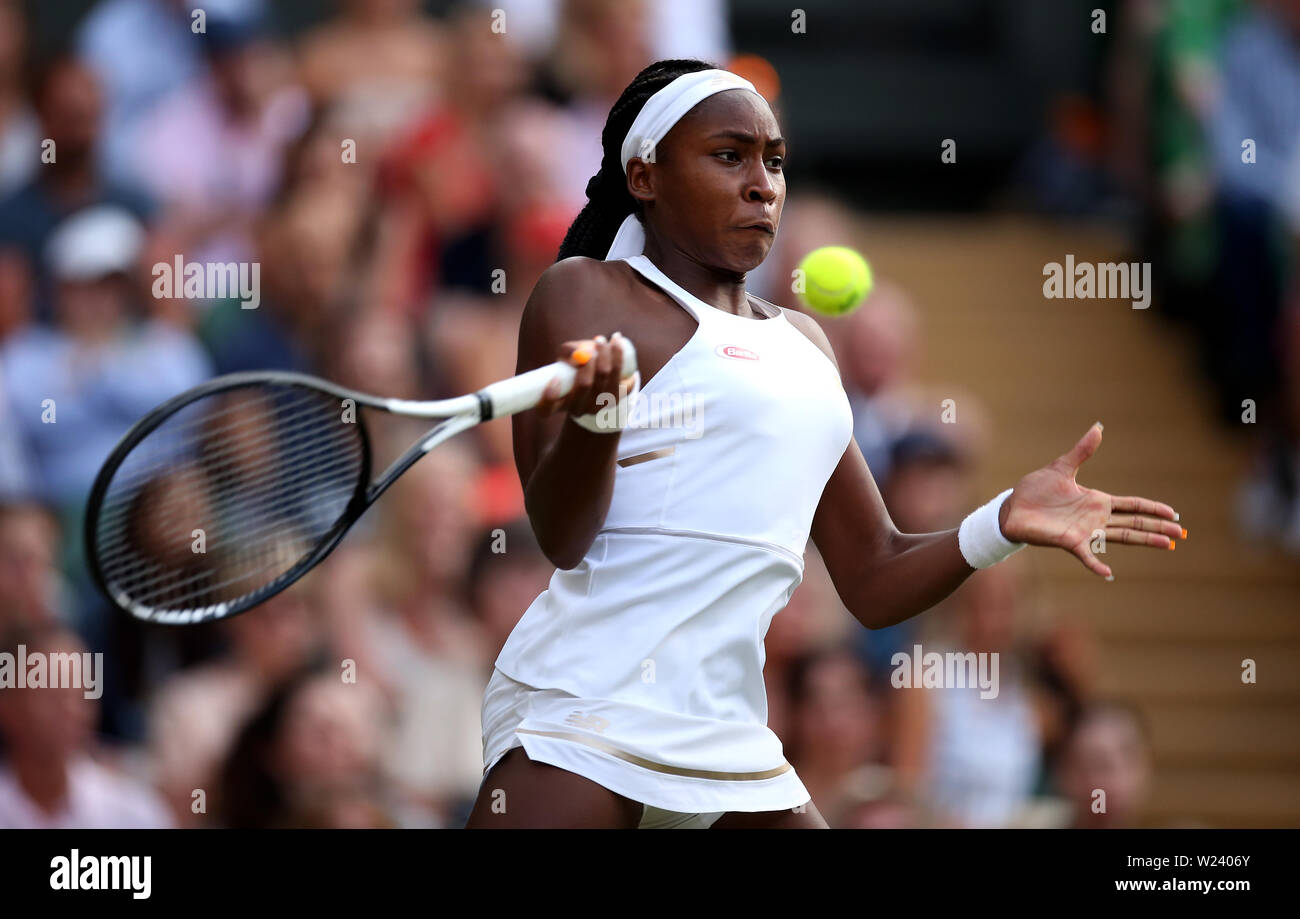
(884,576)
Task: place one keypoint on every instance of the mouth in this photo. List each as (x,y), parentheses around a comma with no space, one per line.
(764,226)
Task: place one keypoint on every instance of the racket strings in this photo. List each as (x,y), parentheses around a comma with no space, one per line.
(226,496)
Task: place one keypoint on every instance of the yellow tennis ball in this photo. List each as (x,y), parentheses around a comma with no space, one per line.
(836,280)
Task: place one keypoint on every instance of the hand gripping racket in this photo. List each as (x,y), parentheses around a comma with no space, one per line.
(230,492)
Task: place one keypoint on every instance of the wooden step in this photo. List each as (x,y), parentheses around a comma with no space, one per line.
(1224,798)
(1160,670)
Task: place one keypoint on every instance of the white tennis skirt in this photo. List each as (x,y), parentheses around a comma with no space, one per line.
(627,749)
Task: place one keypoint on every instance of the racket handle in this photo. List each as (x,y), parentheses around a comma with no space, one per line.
(521,393)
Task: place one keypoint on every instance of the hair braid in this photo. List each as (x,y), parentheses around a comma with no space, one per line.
(608,200)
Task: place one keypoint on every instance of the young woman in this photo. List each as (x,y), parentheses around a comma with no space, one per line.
(631,692)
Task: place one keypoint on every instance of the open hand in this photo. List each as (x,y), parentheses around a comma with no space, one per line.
(1049,508)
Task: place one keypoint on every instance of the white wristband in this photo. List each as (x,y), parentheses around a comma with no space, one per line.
(611,419)
(980,535)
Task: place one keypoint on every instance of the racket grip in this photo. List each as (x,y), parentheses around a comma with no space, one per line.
(521,393)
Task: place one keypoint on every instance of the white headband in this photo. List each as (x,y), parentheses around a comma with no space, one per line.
(656,118)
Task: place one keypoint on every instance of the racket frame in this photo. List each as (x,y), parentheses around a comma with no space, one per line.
(458,414)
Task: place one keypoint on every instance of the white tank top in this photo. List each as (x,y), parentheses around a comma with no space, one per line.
(719,474)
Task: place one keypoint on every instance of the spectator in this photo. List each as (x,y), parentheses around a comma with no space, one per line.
(210,153)
(1106,767)
(15,292)
(48,777)
(431,652)
(17,477)
(32,591)
(306,248)
(878,348)
(812,619)
(507,572)
(307,758)
(376,63)
(1246,335)
(75,388)
(140,50)
(925,491)
(972,758)
(694,29)
(67,100)
(425,534)
(836,720)
(20,139)
(869,799)
(197,712)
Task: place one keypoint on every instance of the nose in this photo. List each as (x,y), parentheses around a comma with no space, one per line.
(760,186)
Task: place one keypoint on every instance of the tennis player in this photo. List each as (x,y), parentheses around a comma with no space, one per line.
(631,692)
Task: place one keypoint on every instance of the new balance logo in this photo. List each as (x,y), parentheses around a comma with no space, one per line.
(587,722)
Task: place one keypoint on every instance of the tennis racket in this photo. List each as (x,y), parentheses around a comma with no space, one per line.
(230,492)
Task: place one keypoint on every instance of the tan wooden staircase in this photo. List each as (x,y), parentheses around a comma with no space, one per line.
(1174,627)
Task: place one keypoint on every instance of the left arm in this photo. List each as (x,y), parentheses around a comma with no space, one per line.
(884,577)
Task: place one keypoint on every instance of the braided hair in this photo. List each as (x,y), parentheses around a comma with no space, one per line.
(608,200)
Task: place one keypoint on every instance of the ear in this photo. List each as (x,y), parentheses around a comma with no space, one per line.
(639,182)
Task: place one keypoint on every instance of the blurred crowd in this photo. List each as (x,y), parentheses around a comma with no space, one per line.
(1205,99)
(402,180)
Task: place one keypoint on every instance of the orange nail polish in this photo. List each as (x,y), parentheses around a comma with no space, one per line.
(581,356)
(1171,545)
(1184,533)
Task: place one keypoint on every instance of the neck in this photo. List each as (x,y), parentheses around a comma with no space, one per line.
(724,290)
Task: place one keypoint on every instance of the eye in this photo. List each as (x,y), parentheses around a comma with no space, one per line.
(731,153)
(776,162)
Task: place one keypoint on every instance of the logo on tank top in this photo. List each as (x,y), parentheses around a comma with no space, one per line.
(587,722)
(735,352)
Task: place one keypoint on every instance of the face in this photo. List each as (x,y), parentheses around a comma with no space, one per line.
(28,541)
(328,740)
(717,175)
(837,716)
(91,310)
(925,496)
(70,109)
(1107,753)
(49,723)
(278,637)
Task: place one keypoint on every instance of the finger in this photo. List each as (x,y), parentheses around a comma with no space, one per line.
(605,381)
(550,398)
(1147,525)
(583,383)
(1085,448)
(1091,562)
(1143,506)
(604,360)
(616,354)
(1130,537)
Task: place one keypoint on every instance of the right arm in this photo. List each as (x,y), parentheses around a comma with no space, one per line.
(567,472)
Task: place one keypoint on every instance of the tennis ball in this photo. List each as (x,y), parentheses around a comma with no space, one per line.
(836,280)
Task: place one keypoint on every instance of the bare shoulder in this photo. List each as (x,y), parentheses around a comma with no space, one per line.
(810,327)
(577,288)
(575,298)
